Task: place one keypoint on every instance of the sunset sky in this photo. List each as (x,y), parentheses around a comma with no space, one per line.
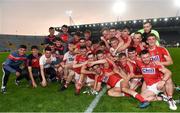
(34,17)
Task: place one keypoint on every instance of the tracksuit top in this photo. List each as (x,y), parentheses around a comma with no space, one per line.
(14,61)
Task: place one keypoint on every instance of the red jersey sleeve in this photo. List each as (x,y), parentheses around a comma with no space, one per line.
(165,51)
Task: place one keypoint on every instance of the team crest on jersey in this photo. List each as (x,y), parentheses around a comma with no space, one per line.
(148,70)
(71,59)
(155,58)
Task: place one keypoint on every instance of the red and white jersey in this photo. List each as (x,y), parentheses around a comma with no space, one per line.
(106,51)
(64,37)
(79,59)
(107,70)
(158,53)
(130,67)
(77,46)
(137,59)
(91,76)
(139,48)
(108,76)
(110,80)
(108,65)
(150,72)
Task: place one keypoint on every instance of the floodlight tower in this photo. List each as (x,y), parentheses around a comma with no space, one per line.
(177,4)
(69,14)
(119,8)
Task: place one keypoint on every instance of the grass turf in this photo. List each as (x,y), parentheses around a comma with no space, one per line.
(48,99)
(22,98)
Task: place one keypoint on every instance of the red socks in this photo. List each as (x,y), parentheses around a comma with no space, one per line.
(139,97)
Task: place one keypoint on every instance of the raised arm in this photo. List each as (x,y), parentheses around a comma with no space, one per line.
(125,46)
(105,41)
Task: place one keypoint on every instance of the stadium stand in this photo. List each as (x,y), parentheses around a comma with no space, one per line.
(10,42)
(168,28)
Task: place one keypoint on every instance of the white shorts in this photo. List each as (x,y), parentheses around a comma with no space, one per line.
(89,80)
(153,88)
(77,76)
(118,84)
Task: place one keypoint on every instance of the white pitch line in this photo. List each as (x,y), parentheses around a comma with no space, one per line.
(95,101)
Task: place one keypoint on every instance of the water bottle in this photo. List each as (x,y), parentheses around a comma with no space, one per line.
(177,88)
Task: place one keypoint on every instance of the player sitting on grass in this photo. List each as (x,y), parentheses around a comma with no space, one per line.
(161,54)
(155,76)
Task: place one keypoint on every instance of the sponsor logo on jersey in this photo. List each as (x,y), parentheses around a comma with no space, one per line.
(155,58)
(148,70)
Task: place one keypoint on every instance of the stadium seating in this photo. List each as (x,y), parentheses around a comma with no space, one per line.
(11,42)
(168,27)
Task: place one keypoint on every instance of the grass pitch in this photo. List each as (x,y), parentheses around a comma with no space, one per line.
(23,98)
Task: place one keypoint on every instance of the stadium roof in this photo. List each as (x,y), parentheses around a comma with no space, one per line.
(158,23)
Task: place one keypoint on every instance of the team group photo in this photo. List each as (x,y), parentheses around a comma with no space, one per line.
(129,64)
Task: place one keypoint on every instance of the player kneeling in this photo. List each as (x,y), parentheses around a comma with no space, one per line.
(33,66)
(48,63)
